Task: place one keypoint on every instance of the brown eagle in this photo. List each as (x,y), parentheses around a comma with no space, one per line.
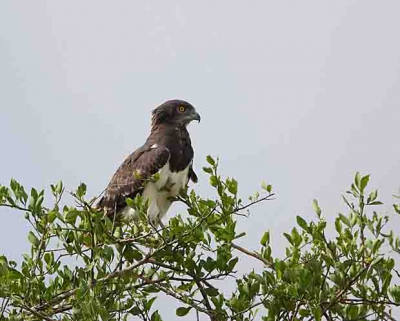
(167,151)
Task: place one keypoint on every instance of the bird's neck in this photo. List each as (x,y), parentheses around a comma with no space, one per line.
(164,133)
(168,128)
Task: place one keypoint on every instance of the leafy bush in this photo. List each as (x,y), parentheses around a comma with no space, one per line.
(122,269)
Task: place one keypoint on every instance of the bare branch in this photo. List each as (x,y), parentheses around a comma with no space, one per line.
(252,254)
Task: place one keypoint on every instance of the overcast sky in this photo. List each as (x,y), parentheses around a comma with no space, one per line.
(301,94)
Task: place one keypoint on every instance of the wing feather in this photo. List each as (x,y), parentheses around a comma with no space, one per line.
(131,176)
(192,174)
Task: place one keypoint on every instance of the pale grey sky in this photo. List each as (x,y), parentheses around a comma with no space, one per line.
(301,94)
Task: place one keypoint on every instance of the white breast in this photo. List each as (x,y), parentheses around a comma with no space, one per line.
(174,181)
(168,185)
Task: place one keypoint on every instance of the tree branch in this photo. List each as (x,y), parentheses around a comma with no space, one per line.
(35,312)
(341,293)
(205,297)
(252,254)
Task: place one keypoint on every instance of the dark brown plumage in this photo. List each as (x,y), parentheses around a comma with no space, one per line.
(167,151)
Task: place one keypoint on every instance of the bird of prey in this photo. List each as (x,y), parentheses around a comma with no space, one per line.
(167,151)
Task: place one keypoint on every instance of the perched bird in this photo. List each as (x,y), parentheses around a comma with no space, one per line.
(167,151)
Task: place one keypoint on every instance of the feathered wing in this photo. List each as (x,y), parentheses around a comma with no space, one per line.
(192,174)
(130,178)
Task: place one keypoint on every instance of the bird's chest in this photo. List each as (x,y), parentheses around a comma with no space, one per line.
(172,181)
(175,174)
(181,154)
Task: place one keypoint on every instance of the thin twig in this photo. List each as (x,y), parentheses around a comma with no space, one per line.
(16,207)
(372,302)
(176,296)
(252,254)
(35,312)
(205,297)
(296,311)
(4,306)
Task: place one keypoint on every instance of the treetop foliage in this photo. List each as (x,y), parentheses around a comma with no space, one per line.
(84,266)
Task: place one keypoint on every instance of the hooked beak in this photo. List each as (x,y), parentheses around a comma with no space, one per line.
(197,117)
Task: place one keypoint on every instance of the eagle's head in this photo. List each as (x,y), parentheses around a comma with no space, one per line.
(174,112)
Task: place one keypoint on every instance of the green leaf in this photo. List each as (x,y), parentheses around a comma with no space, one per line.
(59,187)
(210,160)
(257,277)
(352,312)
(377,245)
(317,314)
(327,259)
(265,239)
(81,190)
(132,254)
(3,260)
(304,313)
(317,209)
(208,170)
(357,180)
(376,203)
(33,239)
(71,216)
(364,183)
(212,291)
(354,191)
(14,274)
(266,253)
(338,226)
(108,253)
(130,202)
(105,315)
(134,311)
(155,178)
(48,258)
(233,186)
(345,220)
(232,264)
(213,181)
(280,267)
(118,232)
(90,266)
(289,238)
(372,196)
(14,185)
(302,223)
(395,293)
(52,215)
(266,187)
(296,237)
(181,312)
(155,316)
(149,304)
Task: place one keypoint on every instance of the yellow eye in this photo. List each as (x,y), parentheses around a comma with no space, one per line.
(182,109)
